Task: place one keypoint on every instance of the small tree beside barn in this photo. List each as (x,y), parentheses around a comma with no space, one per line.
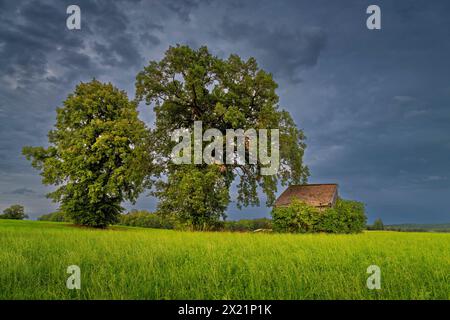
(317,208)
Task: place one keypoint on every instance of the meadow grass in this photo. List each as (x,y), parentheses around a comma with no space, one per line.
(136,263)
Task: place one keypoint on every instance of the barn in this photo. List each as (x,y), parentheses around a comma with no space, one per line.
(321,196)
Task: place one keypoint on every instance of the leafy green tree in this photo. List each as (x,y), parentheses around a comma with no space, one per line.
(193,85)
(16,211)
(346,216)
(378,225)
(98,154)
(297,217)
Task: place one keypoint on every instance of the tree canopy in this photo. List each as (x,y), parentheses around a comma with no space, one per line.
(98,154)
(16,211)
(190,85)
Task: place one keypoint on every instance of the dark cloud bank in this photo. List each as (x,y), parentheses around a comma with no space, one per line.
(373,104)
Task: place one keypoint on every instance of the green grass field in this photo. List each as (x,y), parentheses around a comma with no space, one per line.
(134,263)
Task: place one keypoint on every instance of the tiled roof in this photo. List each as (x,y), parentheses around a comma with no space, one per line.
(317,195)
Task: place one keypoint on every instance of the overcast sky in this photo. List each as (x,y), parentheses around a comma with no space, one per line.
(374,104)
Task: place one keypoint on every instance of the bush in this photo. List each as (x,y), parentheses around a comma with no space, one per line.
(57,216)
(145,219)
(16,212)
(346,217)
(377,225)
(297,217)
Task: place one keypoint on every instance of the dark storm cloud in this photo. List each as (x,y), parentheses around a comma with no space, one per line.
(284,51)
(41,61)
(373,104)
(149,39)
(23,191)
(184,8)
(26,37)
(118,52)
(33,34)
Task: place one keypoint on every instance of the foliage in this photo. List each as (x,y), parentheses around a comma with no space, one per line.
(145,219)
(97,156)
(193,85)
(57,216)
(345,217)
(196,197)
(377,225)
(297,217)
(16,212)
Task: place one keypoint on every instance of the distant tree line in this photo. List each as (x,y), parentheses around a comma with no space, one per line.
(57,216)
(416,227)
(146,219)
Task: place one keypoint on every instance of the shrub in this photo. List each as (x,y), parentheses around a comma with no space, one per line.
(377,225)
(57,216)
(16,212)
(297,217)
(145,219)
(345,217)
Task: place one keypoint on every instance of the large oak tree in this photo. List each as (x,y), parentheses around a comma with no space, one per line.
(193,85)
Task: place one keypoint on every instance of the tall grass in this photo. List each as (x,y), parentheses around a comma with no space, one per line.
(134,263)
